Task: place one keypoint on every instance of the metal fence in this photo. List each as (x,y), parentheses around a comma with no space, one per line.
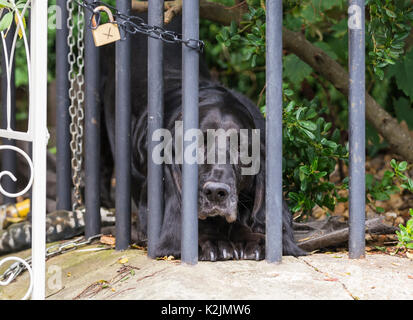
(36,57)
(37,132)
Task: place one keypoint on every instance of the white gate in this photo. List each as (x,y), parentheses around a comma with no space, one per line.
(36,133)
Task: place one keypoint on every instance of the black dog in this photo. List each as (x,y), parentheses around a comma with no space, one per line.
(231,205)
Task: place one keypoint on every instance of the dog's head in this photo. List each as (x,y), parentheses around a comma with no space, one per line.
(230,174)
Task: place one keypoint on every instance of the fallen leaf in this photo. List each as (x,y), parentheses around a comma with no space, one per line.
(382,249)
(409,255)
(166,258)
(135,246)
(410,277)
(123,260)
(110,240)
(162,258)
(69,274)
(330,279)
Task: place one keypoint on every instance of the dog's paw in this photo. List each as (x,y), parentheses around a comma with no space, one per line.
(219,251)
(254,250)
(238,250)
(208,251)
(226,250)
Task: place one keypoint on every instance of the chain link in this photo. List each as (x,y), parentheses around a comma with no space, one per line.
(17,268)
(134,24)
(131,25)
(76,95)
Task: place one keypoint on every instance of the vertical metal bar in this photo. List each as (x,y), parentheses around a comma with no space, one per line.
(357,128)
(190,96)
(63,155)
(155,121)
(273,197)
(38,101)
(122,133)
(92,133)
(8,156)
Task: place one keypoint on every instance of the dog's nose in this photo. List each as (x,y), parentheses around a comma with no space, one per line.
(216,192)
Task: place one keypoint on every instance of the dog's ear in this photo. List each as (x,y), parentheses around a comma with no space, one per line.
(259,197)
(175,169)
(258,210)
(176,174)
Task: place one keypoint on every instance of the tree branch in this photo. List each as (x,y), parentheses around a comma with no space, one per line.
(221,14)
(173,9)
(208,10)
(396,135)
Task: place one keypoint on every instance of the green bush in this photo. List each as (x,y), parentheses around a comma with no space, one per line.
(239,56)
(315,123)
(310,155)
(405,235)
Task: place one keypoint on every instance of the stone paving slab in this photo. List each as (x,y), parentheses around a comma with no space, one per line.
(100,275)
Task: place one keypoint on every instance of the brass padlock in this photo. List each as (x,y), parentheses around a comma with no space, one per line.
(105,33)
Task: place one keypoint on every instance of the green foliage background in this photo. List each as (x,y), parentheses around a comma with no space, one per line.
(315,113)
(313,148)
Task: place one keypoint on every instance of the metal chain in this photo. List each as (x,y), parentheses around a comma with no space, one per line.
(134,24)
(17,268)
(131,25)
(76,94)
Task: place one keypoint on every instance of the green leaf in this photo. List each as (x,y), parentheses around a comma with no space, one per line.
(390,13)
(380,210)
(410,181)
(404,111)
(308,133)
(5,4)
(380,196)
(379,73)
(402,166)
(308,125)
(295,70)
(327,49)
(369,181)
(6,21)
(404,75)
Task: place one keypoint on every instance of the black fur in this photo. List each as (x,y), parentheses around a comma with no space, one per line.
(218,239)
